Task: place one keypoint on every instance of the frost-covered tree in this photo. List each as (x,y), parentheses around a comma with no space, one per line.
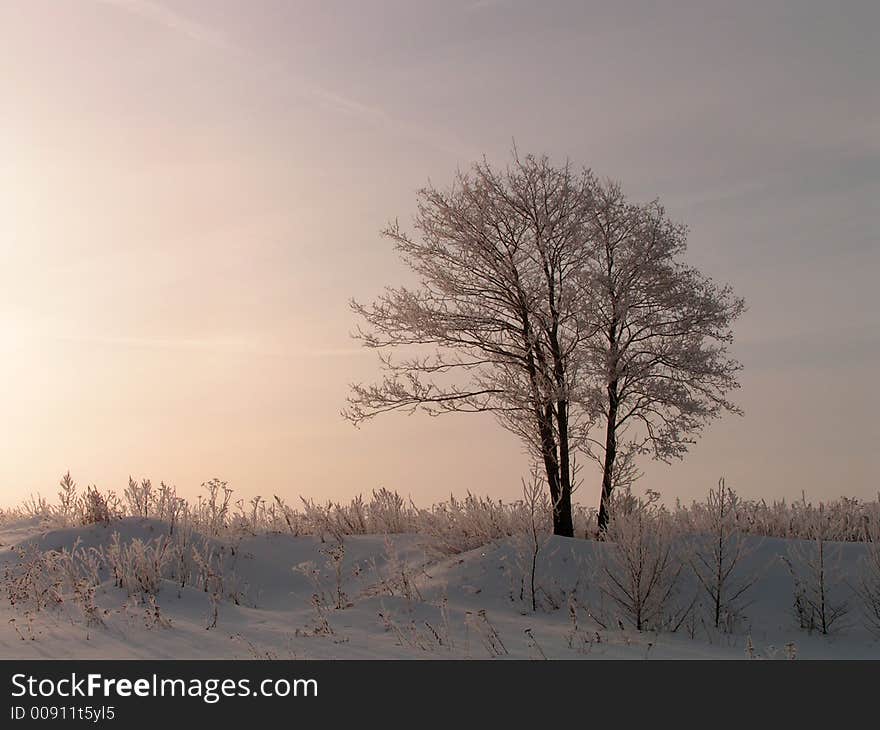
(717,554)
(868,582)
(496,322)
(820,593)
(549,300)
(662,330)
(641,567)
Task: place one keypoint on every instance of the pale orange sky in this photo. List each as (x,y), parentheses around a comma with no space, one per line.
(190,192)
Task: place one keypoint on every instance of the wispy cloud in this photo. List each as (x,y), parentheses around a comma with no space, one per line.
(172,20)
(207,35)
(231,344)
(337,352)
(379,118)
(220,344)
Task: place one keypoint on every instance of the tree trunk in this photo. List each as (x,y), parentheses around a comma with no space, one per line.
(562,517)
(549,456)
(610,455)
(558,479)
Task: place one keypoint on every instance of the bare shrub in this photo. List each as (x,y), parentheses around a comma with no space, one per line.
(389,514)
(33,507)
(67,499)
(814,564)
(452,526)
(716,555)
(328,593)
(33,582)
(867,586)
(532,536)
(459,525)
(139,566)
(641,569)
(488,635)
(212,510)
(320,623)
(95,508)
(292,519)
(43,580)
(335,561)
(848,519)
(396,577)
(138,496)
(424,635)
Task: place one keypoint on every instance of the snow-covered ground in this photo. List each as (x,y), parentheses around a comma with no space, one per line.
(394,597)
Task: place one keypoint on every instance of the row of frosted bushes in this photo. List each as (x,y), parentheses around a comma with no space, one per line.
(458,524)
(650,550)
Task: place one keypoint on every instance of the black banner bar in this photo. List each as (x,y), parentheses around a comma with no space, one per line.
(228,693)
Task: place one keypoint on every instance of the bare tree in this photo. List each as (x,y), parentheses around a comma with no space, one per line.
(815,564)
(496,323)
(662,331)
(717,553)
(530,544)
(641,568)
(868,582)
(549,300)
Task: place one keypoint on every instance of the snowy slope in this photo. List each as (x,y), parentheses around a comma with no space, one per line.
(399,599)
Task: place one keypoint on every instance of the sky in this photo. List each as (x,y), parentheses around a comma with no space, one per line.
(192,190)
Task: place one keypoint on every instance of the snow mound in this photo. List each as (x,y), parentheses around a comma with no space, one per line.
(284,596)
